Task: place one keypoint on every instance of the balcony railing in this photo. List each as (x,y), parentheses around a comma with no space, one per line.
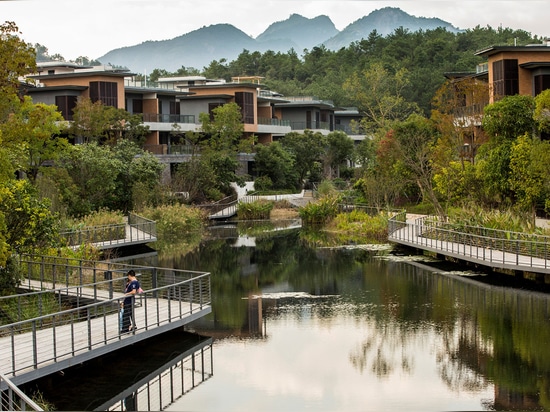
(169,118)
(313,125)
(273,121)
(173,149)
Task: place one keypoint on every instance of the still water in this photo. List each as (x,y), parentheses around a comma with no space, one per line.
(297,327)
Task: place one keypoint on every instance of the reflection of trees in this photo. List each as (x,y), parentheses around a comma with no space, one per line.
(481,335)
(384,353)
(463,355)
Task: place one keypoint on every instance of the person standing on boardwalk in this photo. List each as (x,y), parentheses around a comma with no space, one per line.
(132,287)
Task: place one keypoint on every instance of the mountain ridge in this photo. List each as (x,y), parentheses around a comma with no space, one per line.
(200,47)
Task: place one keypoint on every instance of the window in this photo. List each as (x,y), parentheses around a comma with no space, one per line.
(542,83)
(66,104)
(211,107)
(174,107)
(505,78)
(106,92)
(137,106)
(246,101)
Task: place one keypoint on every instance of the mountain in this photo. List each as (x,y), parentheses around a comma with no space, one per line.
(384,21)
(304,33)
(194,49)
(224,41)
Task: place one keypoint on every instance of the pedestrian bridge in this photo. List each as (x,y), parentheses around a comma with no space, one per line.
(70,313)
(497,249)
(135,231)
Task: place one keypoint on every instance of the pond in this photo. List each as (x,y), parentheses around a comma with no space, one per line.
(302,328)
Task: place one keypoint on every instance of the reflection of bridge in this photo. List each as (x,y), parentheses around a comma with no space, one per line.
(152,393)
(496,249)
(77,312)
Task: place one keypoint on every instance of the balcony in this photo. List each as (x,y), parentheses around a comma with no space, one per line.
(168,118)
(273,125)
(311,125)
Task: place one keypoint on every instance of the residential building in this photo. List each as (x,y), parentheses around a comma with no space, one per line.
(171,106)
(514,70)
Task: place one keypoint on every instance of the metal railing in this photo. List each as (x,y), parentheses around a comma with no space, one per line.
(494,247)
(152,393)
(14,399)
(84,314)
(138,229)
(270,121)
(312,125)
(168,118)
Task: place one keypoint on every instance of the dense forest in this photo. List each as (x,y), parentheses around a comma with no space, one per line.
(320,72)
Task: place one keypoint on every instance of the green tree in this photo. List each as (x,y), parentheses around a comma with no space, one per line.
(30,224)
(542,111)
(307,150)
(379,96)
(274,162)
(529,174)
(340,148)
(17,59)
(94,171)
(95,122)
(510,117)
(31,134)
(225,129)
(503,121)
(415,140)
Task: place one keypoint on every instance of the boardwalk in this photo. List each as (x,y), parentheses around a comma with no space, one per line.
(52,342)
(494,249)
(137,230)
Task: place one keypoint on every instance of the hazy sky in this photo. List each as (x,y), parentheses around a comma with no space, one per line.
(91,28)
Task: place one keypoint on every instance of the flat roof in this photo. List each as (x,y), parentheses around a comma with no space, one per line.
(489,51)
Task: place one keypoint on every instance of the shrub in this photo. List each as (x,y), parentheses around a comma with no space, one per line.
(263,183)
(259,209)
(320,212)
(175,221)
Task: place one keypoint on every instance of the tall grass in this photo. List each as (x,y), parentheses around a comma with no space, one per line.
(257,210)
(175,221)
(320,212)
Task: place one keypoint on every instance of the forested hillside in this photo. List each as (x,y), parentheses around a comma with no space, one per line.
(425,55)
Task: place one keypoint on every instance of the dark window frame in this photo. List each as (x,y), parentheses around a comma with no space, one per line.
(106,92)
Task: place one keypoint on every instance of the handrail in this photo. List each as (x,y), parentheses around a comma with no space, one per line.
(84,328)
(503,249)
(14,399)
(137,228)
(92,321)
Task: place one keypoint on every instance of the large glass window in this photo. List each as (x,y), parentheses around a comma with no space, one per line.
(246,101)
(65,105)
(505,78)
(106,92)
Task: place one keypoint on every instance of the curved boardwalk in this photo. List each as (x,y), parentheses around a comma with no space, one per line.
(491,248)
(84,320)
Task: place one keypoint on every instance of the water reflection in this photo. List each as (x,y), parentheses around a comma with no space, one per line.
(476,343)
(148,376)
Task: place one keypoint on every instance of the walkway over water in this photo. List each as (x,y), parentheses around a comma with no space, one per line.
(137,230)
(487,247)
(78,312)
